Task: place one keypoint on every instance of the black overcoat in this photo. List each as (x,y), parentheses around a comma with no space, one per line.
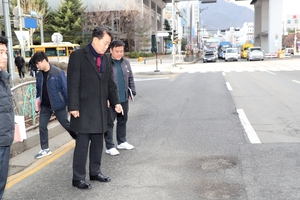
(88,92)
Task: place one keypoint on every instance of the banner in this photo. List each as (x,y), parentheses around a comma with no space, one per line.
(24,38)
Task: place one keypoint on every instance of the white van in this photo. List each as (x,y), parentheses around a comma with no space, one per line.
(231,54)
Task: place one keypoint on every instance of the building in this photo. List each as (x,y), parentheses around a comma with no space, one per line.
(247,32)
(118,15)
(292,22)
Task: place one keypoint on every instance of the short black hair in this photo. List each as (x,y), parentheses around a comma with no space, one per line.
(99,31)
(116,43)
(3,40)
(38,57)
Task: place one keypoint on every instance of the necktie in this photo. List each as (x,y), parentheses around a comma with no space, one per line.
(98,63)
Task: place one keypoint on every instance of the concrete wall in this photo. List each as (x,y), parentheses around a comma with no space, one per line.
(268,24)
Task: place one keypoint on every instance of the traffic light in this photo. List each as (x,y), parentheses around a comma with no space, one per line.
(153,44)
(175,37)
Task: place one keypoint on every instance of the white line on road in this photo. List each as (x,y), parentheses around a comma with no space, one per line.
(296,81)
(253,138)
(271,72)
(228,86)
(223,73)
(149,79)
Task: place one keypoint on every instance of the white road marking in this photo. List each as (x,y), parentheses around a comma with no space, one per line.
(223,73)
(271,72)
(149,79)
(296,81)
(253,138)
(228,86)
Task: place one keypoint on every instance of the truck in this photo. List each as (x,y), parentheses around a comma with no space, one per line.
(244,49)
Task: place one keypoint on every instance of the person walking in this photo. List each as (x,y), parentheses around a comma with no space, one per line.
(124,79)
(51,90)
(90,85)
(20,63)
(32,68)
(6,116)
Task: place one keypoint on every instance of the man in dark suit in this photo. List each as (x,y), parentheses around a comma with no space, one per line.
(90,85)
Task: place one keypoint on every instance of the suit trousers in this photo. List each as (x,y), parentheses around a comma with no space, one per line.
(87,143)
(4,164)
(121,126)
(45,115)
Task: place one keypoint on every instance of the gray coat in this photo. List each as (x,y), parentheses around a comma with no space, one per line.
(128,76)
(88,92)
(7,122)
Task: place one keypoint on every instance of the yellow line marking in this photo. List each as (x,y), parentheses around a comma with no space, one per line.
(39,164)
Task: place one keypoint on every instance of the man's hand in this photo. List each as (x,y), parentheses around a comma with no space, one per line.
(75,113)
(119,109)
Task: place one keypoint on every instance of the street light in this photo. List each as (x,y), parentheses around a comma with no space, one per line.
(200,24)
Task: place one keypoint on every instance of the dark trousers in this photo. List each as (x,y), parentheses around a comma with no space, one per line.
(21,72)
(45,115)
(87,143)
(4,161)
(121,125)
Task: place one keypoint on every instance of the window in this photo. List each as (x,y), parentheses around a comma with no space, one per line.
(296,21)
(288,21)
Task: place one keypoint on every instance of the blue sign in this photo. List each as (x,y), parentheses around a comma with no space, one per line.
(30,23)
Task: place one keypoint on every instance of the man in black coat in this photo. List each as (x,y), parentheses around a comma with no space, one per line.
(6,116)
(90,85)
(20,63)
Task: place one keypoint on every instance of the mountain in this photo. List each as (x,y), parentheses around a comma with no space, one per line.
(223,14)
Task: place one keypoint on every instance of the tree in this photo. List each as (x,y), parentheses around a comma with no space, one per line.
(288,41)
(41,7)
(95,15)
(68,20)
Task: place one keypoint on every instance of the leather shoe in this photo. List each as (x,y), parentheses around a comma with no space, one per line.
(100,178)
(81,184)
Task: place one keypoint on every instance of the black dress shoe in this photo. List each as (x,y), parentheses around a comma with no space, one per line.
(81,184)
(100,178)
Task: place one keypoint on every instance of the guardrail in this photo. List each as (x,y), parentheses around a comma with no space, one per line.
(23,99)
(271,55)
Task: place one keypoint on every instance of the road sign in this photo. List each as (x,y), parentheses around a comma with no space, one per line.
(33,13)
(57,37)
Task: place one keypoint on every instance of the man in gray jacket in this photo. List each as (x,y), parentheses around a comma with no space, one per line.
(123,78)
(6,116)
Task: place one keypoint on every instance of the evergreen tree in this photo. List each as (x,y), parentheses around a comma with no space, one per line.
(68,20)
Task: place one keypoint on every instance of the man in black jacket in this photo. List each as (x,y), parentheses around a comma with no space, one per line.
(6,116)
(123,78)
(20,63)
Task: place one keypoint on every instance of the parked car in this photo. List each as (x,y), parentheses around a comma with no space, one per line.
(209,56)
(255,53)
(231,54)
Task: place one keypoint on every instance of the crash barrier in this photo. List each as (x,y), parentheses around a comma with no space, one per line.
(24,95)
(271,55)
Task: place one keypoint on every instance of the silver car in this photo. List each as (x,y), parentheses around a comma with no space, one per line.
(255,53)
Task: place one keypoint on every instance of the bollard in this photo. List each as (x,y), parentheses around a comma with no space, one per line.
(145,61)
(160,60)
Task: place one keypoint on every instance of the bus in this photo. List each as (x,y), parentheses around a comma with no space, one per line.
(222,48)
(244,49)
(55,52)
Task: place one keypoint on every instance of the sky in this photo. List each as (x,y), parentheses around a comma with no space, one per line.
(289,6)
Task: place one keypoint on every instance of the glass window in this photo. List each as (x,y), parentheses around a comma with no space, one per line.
(288,21)
(53,52)
(296,21)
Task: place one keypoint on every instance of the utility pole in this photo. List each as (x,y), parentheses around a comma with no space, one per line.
(11,65)
(21,29)
(173,28)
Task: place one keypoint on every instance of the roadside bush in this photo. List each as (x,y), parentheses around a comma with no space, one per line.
(133,54)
